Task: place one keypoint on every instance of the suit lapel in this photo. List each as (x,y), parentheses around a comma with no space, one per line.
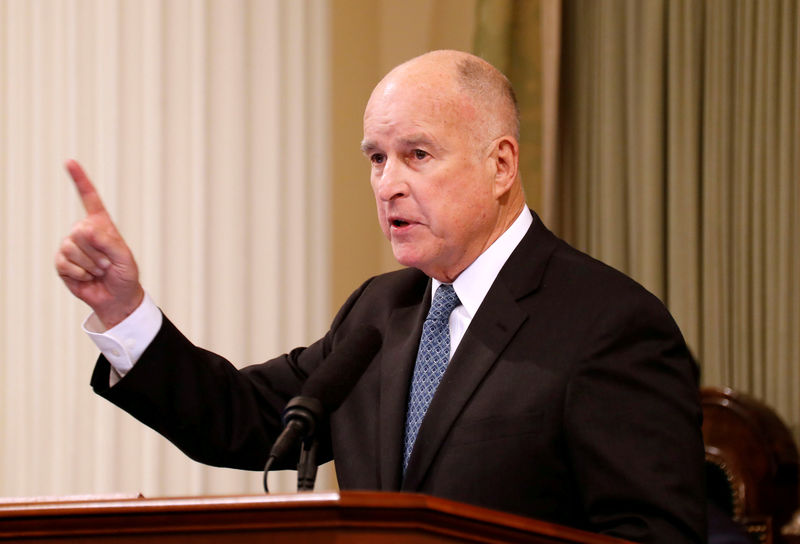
(400,345)
(493,327)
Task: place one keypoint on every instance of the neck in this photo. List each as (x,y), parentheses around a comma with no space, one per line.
(505,219)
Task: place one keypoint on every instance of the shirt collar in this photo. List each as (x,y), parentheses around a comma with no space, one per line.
(474,282)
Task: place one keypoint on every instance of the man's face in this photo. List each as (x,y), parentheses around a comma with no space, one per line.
(431,174)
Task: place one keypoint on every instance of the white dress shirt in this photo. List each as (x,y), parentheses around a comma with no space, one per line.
(124,343)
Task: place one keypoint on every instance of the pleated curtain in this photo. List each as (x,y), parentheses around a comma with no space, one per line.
(677,148)
(204,125)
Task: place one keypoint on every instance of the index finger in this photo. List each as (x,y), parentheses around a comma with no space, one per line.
(89,197)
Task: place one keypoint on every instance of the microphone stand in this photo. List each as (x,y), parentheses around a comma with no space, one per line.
(300,418)
(307,466)
(320,396)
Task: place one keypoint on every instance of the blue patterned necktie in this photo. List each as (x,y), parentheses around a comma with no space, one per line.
(432,359)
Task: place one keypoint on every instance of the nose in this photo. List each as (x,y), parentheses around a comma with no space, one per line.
(390,183)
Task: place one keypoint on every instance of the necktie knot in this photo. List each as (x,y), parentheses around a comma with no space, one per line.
(444,302)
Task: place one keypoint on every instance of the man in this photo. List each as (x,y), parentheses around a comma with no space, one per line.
(569,394)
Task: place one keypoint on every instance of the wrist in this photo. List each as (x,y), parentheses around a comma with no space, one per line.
(114,314)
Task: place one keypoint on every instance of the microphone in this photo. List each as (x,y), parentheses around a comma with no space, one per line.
(322,393)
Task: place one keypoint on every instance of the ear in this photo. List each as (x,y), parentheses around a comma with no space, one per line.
(506,162)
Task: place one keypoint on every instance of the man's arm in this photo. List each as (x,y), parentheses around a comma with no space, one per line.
(215,413)
(197,399)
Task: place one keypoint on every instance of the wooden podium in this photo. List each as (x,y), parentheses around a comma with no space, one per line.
(347,517)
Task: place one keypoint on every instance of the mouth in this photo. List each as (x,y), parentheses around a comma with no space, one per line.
(400,225)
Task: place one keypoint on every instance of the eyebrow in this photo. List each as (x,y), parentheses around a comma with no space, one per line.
(415,140)
(367,146)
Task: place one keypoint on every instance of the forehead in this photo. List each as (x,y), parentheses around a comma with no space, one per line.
(412,108)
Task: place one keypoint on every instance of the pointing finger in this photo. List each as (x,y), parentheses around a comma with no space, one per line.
(91,200)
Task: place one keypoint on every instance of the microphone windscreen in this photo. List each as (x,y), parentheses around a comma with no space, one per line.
(336,376)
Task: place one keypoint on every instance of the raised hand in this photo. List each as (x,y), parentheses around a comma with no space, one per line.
(94,261)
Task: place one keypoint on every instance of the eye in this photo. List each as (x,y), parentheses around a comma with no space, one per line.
(420,154)
(377,158)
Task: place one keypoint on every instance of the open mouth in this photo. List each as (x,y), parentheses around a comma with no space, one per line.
(399,223)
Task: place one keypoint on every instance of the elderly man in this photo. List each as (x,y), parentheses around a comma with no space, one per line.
(516,373)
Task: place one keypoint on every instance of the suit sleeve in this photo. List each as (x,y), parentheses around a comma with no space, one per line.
(215,413)
(632,420)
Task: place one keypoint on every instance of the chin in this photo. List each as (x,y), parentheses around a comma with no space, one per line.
(405,261)
(407,258)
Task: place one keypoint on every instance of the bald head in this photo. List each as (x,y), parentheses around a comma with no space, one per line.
(489,87)
(458,76)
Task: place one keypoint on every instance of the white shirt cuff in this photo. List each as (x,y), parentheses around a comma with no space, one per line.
(124,343)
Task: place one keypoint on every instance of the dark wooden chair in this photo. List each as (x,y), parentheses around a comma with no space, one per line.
(752,462)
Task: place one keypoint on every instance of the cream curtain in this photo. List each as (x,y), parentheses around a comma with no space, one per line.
(204,124)
(679,163)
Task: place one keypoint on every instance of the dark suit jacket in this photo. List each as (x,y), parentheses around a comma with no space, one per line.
(571,398)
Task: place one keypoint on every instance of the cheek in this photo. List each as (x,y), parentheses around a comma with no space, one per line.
(469,210)
(373,185)
(374,188)
(382,217)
